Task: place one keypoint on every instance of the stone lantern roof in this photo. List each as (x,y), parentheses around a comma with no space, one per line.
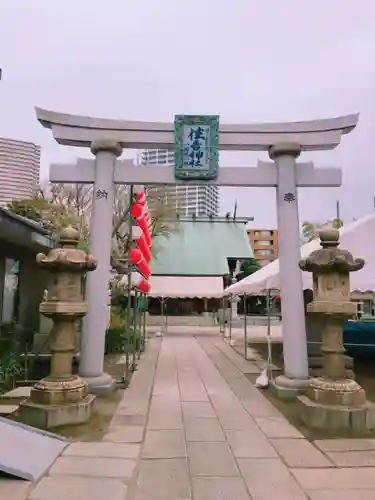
(330,258)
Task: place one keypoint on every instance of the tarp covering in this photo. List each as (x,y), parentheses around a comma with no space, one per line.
(186,286)
(357,237)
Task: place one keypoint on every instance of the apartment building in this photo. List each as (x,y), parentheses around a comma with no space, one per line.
(19,169)
(264,243)
(188,200)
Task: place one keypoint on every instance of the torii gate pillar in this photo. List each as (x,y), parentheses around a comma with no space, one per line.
(296,368)
(100,242)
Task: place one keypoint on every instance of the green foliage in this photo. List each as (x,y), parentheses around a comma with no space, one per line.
(119,338)
(10,368)
(51,215)
(122,340)
(10,364)
(337,223)
(310,230)
(248,267)
(29,208)
(7,334)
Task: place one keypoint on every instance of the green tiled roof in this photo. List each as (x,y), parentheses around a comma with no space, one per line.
(201,248)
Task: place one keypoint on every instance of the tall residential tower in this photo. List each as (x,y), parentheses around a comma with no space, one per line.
(202,200)
(19,169)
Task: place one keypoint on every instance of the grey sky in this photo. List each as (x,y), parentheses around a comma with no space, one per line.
(248,60)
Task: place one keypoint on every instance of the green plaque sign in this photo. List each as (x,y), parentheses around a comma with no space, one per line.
(196,147)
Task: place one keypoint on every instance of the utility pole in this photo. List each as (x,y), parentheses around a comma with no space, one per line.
(338,209)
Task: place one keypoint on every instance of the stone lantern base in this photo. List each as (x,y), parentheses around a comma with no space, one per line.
(54,403)
(336,405)
(314,326)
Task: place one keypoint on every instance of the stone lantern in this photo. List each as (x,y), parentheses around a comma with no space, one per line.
(333,401)
(62,398)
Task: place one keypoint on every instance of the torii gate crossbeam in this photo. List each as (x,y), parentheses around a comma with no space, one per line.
(264,175)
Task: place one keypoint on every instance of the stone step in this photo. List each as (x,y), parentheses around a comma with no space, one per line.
(6,410)
(21,392)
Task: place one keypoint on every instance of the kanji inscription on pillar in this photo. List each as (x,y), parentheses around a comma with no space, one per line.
(101,194)
(289,197)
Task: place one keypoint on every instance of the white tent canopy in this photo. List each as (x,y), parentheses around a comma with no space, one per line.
(357,237)
(186,286)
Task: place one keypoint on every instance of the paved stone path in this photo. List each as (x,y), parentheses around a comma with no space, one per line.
(192,426)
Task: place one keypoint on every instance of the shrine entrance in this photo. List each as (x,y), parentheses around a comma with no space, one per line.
(196,141)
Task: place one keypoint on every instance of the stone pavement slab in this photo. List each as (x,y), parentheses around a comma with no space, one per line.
(341,494)
(352,458)
(13,489)
(93,467)
(204,429)
(211,459)
(241,363)
(164,444)
(300,453)
(345,444)
(191,387)
(336,479)
(166,419)
(250,443)
(163,480)
(103,450)
(194,409)
(270,478)
(250,398)
(219,488)
(277,427)
(78,488)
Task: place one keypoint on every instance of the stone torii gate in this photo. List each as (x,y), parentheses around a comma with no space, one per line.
(284,142)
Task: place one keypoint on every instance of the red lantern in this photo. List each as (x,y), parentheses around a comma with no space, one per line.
(141,214)
(137,259)
(141,198)
(278,297)
(140,241)
(137,210)
(142,223)
(139,282)
(140,194)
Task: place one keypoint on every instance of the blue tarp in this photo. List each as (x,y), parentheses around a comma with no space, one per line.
(359,339)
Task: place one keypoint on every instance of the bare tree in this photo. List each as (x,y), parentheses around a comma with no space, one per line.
(58,205)
(310,230)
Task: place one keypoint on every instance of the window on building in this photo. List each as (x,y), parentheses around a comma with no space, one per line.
(259,234)
(268,253)
(365,306)
(264,242)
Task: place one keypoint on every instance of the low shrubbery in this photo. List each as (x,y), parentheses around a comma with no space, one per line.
(120,338)
(10,362)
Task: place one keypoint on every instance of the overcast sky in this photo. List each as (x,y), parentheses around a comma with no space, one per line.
(247,60)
